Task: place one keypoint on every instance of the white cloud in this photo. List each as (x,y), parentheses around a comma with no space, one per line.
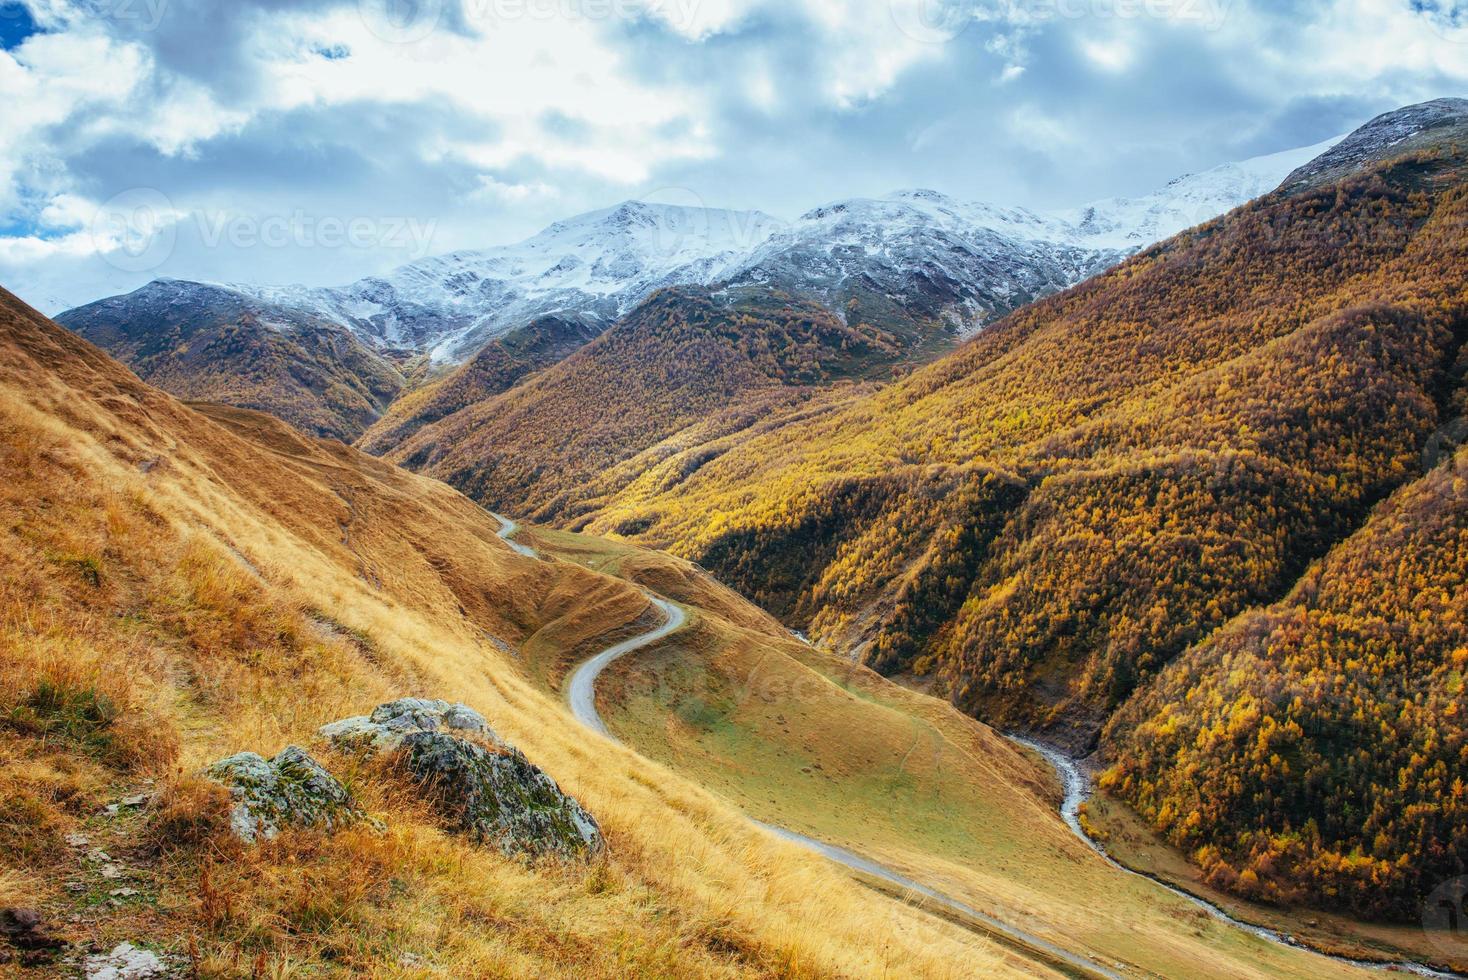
(518,112)
(1113,55)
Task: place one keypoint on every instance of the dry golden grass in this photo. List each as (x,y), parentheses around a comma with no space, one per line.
(174,588)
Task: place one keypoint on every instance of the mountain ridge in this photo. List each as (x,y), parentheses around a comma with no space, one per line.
(601,263)
(921,267)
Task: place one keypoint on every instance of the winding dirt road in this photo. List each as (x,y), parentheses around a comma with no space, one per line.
(581,696)
(581,689)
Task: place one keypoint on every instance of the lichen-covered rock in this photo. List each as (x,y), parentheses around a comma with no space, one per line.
(291,790)
(479,784)
(383,730)
(498,797)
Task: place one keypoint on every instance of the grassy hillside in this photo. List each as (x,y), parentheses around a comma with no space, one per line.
(829,748)
(235,351)
(175,587)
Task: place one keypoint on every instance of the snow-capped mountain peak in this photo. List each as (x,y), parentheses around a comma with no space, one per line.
(594,266)
(916,254)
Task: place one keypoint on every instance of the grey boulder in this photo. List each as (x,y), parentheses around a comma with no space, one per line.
(478,784)
(385,728)
(291,790)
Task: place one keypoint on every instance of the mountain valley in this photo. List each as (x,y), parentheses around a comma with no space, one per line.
(883,510)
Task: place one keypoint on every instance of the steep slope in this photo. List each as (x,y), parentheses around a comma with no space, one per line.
(1426,126)
(923,268)
(908,274)
(1049,517)
(214,344)
(1322,741)
(683,361)
(922,257)
(499,366)
(928,258)
(1188,201)
(178,586)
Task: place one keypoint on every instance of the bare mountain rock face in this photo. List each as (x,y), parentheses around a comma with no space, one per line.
(1392,134)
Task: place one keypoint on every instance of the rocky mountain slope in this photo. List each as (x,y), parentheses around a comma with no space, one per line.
(1428,125)
(967,264)
(890,269)
(941,259)
(594,267)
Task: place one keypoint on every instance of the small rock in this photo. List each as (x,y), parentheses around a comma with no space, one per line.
(480,785)
(137,800)
(291,790)
(112,872)
(123,892)
(78,840)
(125,962)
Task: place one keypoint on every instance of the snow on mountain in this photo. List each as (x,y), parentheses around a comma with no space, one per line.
(1188,201)
(971,263)
(596,266)
(931,255)
(1425,126)
(917,254)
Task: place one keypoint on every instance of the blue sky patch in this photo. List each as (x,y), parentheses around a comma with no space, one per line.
(16,24)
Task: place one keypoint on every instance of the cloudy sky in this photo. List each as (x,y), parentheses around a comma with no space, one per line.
(321,140)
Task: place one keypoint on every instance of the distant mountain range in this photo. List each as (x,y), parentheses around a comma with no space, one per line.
(928,268)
